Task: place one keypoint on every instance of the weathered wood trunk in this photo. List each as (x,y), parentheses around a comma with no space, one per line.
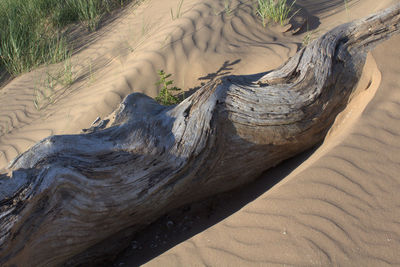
(62,198)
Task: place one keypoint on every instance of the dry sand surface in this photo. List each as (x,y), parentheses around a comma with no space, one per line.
(124,57)
(336,205)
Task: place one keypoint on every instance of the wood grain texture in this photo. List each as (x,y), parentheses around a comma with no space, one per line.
(70,198)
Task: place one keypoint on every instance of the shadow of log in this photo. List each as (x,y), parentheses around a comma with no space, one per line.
(185,222)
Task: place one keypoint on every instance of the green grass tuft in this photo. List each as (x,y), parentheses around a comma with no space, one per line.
(178,13)
(227,7)
(277,11)
(32,31)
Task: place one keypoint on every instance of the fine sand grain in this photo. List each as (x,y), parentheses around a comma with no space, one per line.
(335,205)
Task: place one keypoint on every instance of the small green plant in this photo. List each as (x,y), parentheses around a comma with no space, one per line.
(37,98)
(91,74)
(227,7)
(277,11)
(63,77)
(40,98)
(89,12)
(44,96)
(308,37)
(67,75)
(165,96)
(178,11)
(346,5)
(50,82)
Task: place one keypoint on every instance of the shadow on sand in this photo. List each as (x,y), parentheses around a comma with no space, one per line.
(187,221)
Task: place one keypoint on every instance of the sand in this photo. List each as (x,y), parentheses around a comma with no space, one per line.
(334,205)
(340,207)
(125,56)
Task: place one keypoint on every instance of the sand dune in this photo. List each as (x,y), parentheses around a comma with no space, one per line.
(335,206)
(339,208)
(124,57)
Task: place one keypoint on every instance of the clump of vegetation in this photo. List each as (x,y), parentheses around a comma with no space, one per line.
(32,31)
(277,11)
(166,96)
(227,7)
(346,5)
(178,13)
(44,94)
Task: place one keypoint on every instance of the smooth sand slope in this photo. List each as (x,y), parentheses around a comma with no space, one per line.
(338,207)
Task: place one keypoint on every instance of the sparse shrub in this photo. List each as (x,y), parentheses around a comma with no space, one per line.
(166,96)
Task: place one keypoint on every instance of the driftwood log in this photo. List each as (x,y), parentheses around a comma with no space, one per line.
(73,199)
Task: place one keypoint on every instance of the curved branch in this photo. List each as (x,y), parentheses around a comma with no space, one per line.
(63,197)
